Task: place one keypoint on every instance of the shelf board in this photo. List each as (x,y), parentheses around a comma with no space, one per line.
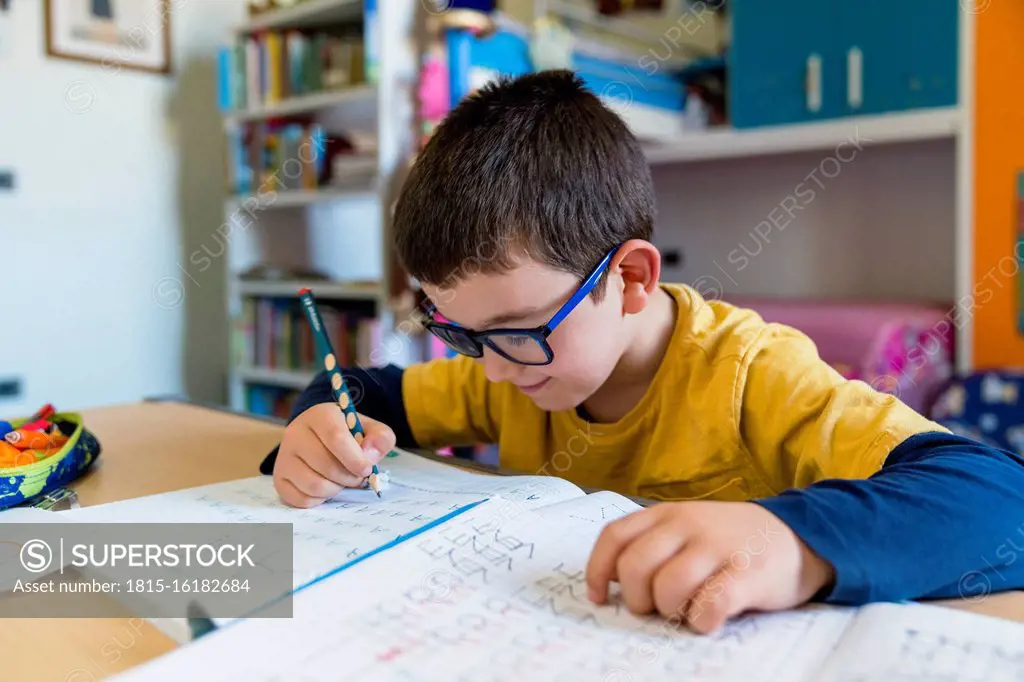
(274,377)
(307,14)
(304,104)
(300,197)
(870,130)
(350,291)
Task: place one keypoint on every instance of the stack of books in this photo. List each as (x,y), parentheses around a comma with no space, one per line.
(266,68)
(273,333)
(265,157)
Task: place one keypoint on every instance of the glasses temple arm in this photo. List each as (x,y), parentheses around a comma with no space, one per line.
(588,285)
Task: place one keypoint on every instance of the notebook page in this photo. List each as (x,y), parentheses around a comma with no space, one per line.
(600,508)
(418,473)
(29,515)
(482,599)
(918,643)
(345,527)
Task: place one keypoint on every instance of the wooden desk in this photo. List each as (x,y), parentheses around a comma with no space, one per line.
(148,448)
(158,447)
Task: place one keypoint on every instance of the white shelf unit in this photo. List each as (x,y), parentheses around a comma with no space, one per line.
(783,213)
(342,230)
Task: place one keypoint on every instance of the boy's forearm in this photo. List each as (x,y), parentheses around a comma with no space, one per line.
(377,393)
(936,522)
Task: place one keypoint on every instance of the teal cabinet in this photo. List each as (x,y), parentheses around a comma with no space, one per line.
(803,61)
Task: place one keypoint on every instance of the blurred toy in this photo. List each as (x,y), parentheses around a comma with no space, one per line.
(23,439)
(35,440)
(433,90)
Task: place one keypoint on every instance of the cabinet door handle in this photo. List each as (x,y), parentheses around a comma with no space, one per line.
(855,77)
(813,83)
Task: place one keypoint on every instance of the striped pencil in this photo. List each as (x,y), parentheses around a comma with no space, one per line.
(341,394)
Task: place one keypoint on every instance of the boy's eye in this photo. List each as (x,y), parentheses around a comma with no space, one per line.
(516,340)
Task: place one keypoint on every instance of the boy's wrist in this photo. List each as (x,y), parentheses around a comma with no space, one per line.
(816,575)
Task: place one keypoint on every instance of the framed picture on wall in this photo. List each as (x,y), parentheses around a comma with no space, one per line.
(119,34)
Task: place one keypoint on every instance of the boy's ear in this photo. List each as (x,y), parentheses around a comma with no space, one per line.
(639,263)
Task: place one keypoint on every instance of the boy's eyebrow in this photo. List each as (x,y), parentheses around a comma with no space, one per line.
(522,314)
(512,316)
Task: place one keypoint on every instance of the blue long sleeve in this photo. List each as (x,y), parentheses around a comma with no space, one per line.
(376,392)
(943,518)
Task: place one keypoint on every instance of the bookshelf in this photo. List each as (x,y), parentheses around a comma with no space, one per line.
(317,102)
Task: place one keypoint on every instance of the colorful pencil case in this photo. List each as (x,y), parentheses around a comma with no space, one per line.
(21,483)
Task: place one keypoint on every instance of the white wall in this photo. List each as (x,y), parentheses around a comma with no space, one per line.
(119,176)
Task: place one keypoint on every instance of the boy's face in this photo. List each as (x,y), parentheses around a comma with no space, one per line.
(587,344)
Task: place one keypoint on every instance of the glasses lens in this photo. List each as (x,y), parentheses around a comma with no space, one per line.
(457,341)
(519,347)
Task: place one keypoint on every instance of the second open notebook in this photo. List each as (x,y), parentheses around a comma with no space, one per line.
(484,598)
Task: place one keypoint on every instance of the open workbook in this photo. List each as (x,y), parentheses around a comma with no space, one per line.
(497,592)
(419,492)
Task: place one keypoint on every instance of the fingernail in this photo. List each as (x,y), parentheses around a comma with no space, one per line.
(367,470)
(373,454)
(592,594)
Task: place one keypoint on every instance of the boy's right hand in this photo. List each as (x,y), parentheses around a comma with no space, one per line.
(318,456)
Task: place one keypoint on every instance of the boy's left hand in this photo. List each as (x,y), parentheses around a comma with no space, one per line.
(705,562)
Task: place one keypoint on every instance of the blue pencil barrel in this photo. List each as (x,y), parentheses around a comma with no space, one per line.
(330,362)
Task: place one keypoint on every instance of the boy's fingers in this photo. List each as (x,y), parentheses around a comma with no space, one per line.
(721,598)
(338,440)
(616,536)
(641,560)
(321,461)
(682,576)
(312,484)
(294,497)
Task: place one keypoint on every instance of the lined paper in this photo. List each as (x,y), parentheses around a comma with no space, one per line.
(485,599)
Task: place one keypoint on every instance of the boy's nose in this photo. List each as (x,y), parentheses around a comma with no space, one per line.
(498,368)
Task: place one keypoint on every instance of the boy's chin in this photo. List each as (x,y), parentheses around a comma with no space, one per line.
(553,401)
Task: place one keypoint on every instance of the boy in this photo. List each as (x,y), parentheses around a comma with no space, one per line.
(528,219)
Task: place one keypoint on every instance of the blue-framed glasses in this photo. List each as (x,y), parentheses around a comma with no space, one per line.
(522,346)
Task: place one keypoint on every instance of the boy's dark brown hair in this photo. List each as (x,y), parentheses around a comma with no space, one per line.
(535,165)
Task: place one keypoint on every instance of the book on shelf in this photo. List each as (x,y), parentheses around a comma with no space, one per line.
(277,157)
(270,401)
(272,66)
(294,155)
(273,333)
